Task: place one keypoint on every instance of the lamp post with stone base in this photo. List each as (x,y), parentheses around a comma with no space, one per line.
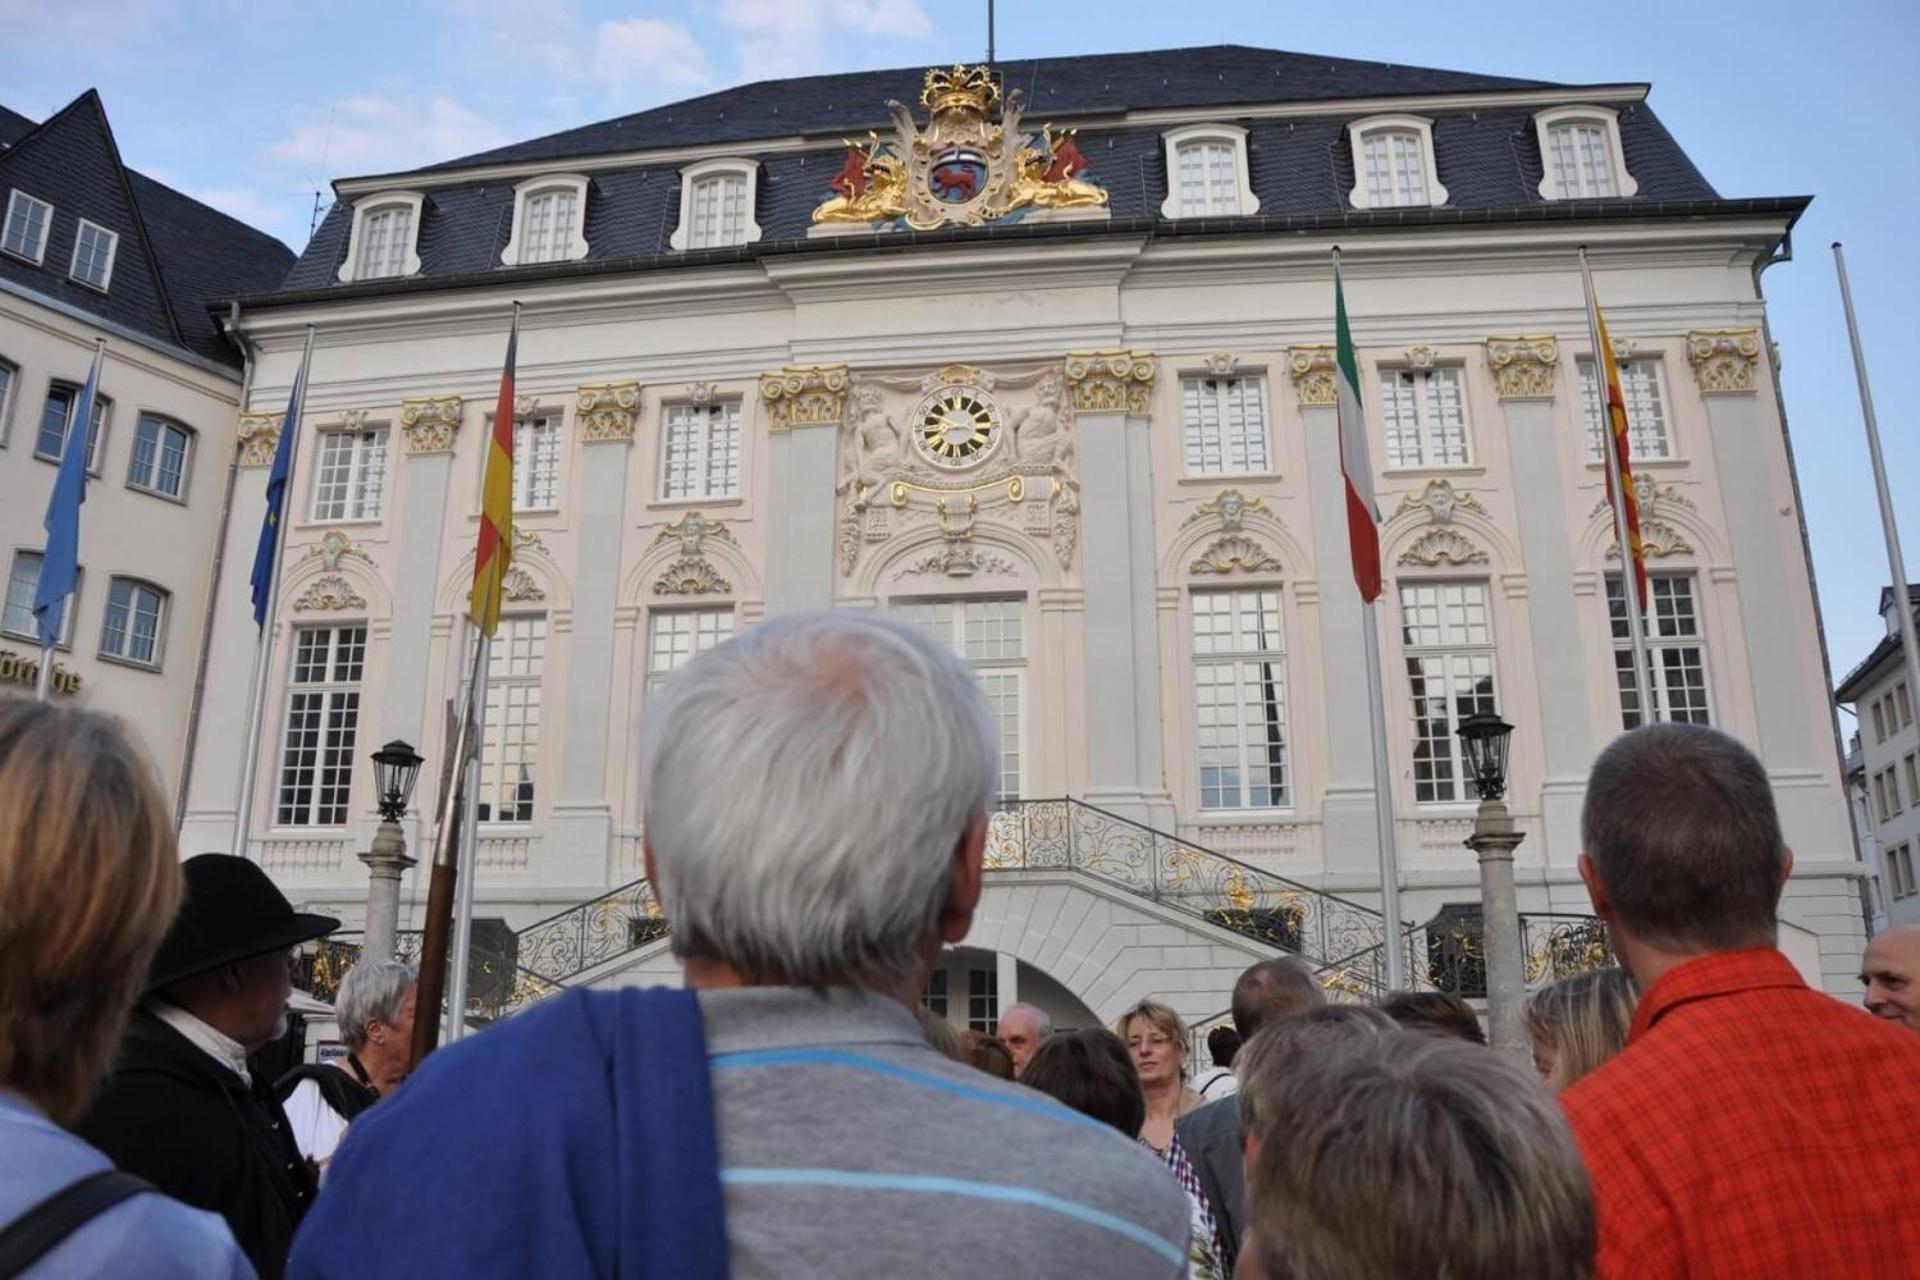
(1484,737)
(396,767)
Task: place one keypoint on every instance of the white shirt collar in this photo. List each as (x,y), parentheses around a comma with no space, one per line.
(216,1044)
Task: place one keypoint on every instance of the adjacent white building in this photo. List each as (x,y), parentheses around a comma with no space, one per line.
(1889,767)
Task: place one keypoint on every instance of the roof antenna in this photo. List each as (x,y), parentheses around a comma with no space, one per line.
(989,32)
(326,148)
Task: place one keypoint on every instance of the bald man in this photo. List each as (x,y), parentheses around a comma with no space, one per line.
(1023,1029)
(1890,970)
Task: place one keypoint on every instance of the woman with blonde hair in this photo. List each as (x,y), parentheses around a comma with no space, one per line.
(1578,1023)
(1156,1040)
(89,883)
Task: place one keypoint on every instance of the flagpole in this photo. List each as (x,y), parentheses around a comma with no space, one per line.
(1896,563)
(43,679)
(442,881)
(1629,573)
(469,833)
(263,644)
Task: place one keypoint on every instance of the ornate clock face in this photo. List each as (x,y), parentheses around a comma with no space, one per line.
(957,427)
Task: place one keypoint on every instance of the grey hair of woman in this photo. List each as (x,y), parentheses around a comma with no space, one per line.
(372,991)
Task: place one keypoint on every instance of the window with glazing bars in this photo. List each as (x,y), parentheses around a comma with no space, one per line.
(1240,699)
(1644,395)
(990,636)
(983,1000)
(536,463)
(1426,417)
(510,741)
(1223,425)
(131,629)
(1446,630)
(700,451)
(1395,170)
(159,462)
(385,236)
(548,233)
(1581,160)
(93,248)
(719,211)
(675,636)
(323,718)
(23,580)
(1675,651)
(28,220)
(1209,179)
(350,479)
(57,416)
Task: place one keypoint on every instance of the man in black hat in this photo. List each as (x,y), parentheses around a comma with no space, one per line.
(182,1109)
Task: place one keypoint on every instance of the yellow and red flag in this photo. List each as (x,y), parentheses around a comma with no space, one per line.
(1613,436)
(495,551)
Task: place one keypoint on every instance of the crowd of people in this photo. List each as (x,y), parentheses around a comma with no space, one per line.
(791,1111)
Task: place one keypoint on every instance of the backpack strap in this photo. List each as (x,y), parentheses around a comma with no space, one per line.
(36,1232)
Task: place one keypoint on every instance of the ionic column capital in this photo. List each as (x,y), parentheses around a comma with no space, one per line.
(1524,366)
(1110,381)
(1723,360)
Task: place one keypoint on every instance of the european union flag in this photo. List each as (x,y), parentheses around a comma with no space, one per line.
(60,562)
(276,502)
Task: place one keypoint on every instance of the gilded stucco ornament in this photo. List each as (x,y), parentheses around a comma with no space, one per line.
(430,423)
(959,560)
(334,547)
(691,576)
(329,593)
(1724,359)
(1313,371)
(259,436)
(691,531)
(607,410)
(1524,367)
(1439,500)
(1440,545)
(1110,381)
(1222,364)
(1420,357)
(804,396)
(1235,551)
(1230,507)
(1658,539)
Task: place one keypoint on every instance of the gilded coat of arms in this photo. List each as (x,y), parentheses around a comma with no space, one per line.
(962,168)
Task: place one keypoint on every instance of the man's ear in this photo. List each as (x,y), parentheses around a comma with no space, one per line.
(1596,888)
(1786,864)
(963,885)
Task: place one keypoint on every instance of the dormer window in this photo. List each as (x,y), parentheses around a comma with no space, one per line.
(385,231)
(28,221)
(717,200)
(1580,152)
(93,251)
(1207,173)
(548,221)
(1393,163)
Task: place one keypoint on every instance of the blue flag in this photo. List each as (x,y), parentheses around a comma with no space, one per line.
(60,562)
(276,502)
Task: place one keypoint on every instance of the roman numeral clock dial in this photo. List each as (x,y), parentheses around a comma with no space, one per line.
(957,427)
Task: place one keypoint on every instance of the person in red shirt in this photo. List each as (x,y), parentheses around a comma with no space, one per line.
(1753,1127)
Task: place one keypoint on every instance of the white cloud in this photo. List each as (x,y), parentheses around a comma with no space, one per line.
(384,132)
(902,19)
(644,52)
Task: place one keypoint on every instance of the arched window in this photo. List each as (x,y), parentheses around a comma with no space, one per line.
(549,221)
(1581,156)
(717,200)
(1393,163)
(385,233)
(134,629)
(162,449)
(1207,173)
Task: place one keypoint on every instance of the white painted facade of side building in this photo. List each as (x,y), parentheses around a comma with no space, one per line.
(1119,614)
(1888,807)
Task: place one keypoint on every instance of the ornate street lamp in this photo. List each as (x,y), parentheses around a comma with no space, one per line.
(1483,742)
(396,767)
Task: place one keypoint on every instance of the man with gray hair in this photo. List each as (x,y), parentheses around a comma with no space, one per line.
(816,792)
(1023,1029)
(374,1008)
(1752,1126)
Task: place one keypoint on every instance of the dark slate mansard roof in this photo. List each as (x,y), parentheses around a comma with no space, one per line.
(1301,169)
(175,256)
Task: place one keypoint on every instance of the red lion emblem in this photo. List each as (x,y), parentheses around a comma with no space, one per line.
(1067,160)
(851,181)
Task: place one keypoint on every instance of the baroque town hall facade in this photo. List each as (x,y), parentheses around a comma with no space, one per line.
(1040,361)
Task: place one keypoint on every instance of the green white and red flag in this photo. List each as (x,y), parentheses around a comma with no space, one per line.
(1356,463)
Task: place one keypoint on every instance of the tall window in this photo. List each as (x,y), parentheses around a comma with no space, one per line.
(159,456)
(93,250)
(350,482)
(1426,416)
(536,463)
(1903,704)
(1447,632)
(1674,651)
(8,376)
(1900,871)
(675,636)
(1580,159)
(700,451)
(23,579)
(136,612)
(549,225)
(1913,779)
(1240,695)
(28,221)
(1394,172)
(1646,400)
(1879,722)
(1224,425)
(510,743)
(719,212)
(323,718)
(57,416)
(1209,179)
(990,636)
(385,235)
(983,1000)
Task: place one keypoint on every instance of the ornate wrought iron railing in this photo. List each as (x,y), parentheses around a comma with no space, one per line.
(1553,946)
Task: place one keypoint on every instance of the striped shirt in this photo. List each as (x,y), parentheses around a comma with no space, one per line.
(848,1147)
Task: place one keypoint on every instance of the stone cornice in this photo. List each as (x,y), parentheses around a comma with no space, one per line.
(1723,360)
(431,423)
(1312,369)
(1110,381)
(1524,366)
(804,396)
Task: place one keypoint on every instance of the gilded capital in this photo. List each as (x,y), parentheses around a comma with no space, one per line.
(1110,381)
(259,436)
(608,410)
(430,423)
(1313,375)
(1724,359)
(1523,367)
(804,396)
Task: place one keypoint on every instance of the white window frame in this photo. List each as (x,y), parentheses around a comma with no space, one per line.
(724,166)
(354,504)
(64,641)
(1607,119)
(150,482)
(163,600)
(526,475)
(1235,657)
(1234,138)
(365,208)
(677,636)
(1193,440)
(1357,134)
(1592,409)
(1900,871)
(992,670)
(701,468)
(516,677)
(1667,646)
(113,252)
(1458,657)
(96,440)
(575,233)
(39,254)
(1428,438)
(336,696)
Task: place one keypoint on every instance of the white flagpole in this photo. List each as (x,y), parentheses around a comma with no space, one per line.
(1896,563)
(263,645)
(469,844)
(43,680)
(1629,576)
(1383,802)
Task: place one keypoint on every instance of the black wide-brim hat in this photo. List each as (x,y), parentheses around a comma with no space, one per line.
(232,912)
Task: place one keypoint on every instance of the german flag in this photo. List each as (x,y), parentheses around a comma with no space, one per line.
(495,551)
(1614,437)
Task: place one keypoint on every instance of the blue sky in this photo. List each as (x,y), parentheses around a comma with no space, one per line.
(252,104)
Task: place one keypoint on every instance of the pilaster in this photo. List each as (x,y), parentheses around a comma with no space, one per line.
(805,407)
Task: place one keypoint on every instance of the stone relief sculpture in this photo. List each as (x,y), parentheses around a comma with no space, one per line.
(1042,432)
(874,452)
